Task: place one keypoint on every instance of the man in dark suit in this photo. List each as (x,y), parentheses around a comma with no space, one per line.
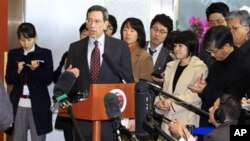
(83,53)
(160,28)
(29,70)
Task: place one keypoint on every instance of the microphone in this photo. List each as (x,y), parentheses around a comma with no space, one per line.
(145,125)
(61,89)
(113,67)
(177,100)
(112,106)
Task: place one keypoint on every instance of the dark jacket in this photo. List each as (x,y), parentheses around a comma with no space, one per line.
(227,76)
(37,81)
(221,133)
(6,110)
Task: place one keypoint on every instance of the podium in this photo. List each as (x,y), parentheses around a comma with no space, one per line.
(93,108)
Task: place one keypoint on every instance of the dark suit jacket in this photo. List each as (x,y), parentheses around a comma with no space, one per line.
(221,133)
(37,81)
(116,49)
(162,59)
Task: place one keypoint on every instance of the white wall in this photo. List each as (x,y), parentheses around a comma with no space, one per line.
(57,23)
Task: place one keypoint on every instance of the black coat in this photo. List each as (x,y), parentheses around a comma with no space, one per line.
(227,76)
(37,81)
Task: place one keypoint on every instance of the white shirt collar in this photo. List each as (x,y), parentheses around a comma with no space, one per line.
(31,50)
(100,40)
(157,48)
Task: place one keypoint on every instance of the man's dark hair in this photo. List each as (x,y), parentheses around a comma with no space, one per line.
(217,7)
(83,27)
(220,35)
(101,9)
(164,20)
(231,106)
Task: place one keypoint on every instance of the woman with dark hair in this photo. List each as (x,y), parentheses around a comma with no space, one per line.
(30,71)
(179,75)
(132,32)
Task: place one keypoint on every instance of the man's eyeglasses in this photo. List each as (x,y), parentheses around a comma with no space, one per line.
(234,28)
(212,51)
(161,31)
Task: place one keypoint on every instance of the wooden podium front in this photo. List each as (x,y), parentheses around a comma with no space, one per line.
(93,108)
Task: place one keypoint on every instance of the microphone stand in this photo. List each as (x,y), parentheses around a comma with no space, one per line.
(179,101)
(116,126)
(68,106)
(120,129)
(152,124)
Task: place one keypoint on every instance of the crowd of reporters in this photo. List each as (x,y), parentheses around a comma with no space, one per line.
(213,78)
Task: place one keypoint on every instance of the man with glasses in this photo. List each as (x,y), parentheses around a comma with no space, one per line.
(228,74)
(86,55)
(160,27)
(238,23)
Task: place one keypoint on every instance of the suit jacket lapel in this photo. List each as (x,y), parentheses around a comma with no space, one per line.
(84,57)
(159,64)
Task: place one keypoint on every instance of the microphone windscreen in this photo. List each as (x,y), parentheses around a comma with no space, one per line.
(112,105)
(65,83)
(141,109)
(110,63)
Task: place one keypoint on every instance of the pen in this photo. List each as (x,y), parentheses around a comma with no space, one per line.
(201,77)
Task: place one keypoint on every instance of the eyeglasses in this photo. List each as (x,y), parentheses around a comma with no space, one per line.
(234,28)
(161,31)
(212,51)
(96,21)
(110,27)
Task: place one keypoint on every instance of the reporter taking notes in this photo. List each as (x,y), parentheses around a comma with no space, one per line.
(178,75)
(30,79)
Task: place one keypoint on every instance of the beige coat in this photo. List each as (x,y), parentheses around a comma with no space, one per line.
(195,68)
(142,64)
